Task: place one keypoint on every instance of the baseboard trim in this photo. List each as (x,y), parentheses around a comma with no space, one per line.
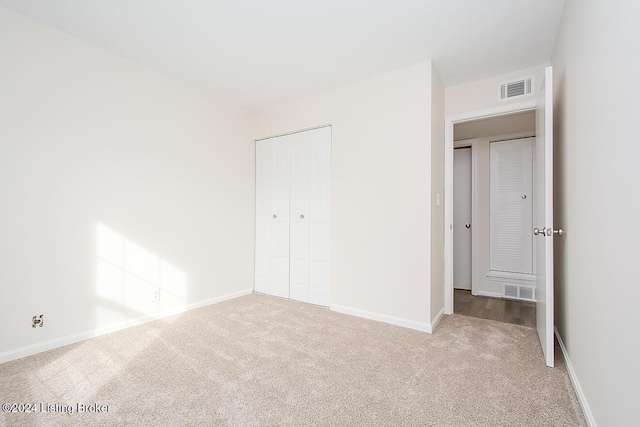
(435,321)
(488,294)
(398,321)
(588,415)
(30,350)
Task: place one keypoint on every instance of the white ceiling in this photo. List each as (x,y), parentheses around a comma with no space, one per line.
(258,53)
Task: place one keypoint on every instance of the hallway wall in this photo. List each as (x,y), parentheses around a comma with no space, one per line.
(597,288)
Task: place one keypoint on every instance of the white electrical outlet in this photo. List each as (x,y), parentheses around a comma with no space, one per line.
(155,295)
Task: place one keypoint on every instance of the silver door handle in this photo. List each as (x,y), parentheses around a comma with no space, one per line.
(301,216)
(547,232)
(275,216)
(467,225)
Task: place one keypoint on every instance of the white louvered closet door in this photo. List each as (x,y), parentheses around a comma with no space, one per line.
(293,174)
(511,195)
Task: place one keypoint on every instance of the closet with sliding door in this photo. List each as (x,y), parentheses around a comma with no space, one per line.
(293,184)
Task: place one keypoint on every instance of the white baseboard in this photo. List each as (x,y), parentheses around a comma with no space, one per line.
(588,415)
(488,294)
(71,339)
(398,321)
(435,321)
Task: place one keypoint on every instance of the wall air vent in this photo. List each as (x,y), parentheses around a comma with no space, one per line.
(520,88)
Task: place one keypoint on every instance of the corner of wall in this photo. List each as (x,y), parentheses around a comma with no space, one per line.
(116,175)
(437,197)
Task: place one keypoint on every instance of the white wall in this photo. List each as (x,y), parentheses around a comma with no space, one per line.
(483,94)
(437,190)
(88,142)
(381,189)
(597,287)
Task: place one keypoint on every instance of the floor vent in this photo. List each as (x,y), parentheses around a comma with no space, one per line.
(526,293)
(516,89)
(510,291)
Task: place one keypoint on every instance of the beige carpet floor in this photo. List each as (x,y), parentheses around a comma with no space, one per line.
(263,361)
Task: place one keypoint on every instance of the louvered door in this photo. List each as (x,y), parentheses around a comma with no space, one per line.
(511,197)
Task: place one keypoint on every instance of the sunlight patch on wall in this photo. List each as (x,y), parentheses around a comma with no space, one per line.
(127,275)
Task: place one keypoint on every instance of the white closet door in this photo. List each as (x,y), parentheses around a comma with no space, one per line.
(462,190)
(320,199)
(299,215)
(511,196)
(280,219)
(293,180)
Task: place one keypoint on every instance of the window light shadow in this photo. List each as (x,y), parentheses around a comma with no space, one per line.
(127,278)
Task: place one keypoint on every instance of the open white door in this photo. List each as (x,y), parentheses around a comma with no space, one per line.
(543,216)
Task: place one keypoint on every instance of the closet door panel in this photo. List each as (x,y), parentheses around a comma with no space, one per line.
(299,219)
(280,220)
(319,201)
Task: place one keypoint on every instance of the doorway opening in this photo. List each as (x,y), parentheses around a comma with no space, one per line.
(490,275)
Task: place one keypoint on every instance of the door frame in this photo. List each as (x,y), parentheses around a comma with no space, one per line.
(449,123)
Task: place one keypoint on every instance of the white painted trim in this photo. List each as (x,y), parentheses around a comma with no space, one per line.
(489,294)
(510,277)
(448,182)
(295,131)
(463,143)
(30,350)
(435,321)
(398,321)
(475,230)
(588,415)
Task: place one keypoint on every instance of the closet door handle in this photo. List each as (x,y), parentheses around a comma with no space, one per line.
(275,216)
(301,216)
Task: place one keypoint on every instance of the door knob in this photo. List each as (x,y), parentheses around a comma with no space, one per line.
(467,225)
(547,232)
(275,216)
(301,216)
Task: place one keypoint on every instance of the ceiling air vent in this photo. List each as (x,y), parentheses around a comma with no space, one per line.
(516,89)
